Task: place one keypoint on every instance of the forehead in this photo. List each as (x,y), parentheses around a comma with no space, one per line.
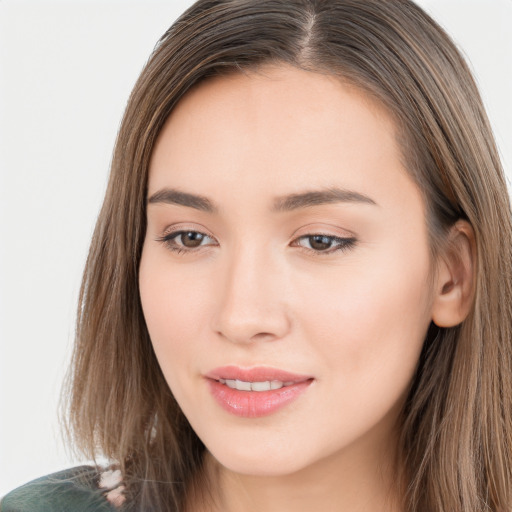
(281,129)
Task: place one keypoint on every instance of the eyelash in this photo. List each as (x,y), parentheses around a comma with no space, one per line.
(344,244)
(169,241)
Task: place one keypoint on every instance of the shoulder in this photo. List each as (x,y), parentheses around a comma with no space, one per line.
(79,489)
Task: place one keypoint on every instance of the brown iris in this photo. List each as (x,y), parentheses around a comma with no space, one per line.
(320,242)
(191,239)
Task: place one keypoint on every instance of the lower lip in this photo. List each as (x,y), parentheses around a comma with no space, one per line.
(254,404)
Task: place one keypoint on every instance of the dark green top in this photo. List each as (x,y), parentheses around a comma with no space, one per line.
(71,490)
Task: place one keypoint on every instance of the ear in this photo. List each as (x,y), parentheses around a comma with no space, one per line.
(455,283)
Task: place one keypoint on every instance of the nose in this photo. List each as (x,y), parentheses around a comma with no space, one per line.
(252,304)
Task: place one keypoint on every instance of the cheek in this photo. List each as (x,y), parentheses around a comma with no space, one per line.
(370,323)
(175,312)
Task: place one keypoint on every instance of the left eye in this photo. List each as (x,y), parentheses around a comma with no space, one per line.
(324,243)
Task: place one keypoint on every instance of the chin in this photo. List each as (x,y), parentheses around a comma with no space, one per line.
(260,460)
(258,467)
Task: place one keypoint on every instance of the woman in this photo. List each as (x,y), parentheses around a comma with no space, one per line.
(297,293)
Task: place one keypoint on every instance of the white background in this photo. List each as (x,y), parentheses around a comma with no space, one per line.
(66,70)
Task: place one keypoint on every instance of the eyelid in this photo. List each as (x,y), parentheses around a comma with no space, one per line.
(170,233)
(343,244)
(174,235)
(345,239)
(322,228)
(186,226)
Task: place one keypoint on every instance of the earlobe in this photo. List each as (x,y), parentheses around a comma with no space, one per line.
(455,282)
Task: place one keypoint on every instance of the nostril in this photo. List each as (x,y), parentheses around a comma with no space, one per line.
(263,336)
(245,337)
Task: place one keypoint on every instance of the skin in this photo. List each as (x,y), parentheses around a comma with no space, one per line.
(257,292)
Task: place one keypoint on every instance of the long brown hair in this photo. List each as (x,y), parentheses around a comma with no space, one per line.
(456,426)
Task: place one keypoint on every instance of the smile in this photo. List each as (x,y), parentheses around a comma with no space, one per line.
(242,385)
(255,392)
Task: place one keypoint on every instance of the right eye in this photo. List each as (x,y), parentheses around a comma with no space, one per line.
(186,241)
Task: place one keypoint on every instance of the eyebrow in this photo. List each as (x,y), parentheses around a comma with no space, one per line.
(281,204)
(173,196)
(320,197)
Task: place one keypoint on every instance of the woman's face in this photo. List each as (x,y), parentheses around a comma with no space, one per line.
(285,272)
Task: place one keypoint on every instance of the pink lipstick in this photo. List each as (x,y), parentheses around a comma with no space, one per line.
(255,392)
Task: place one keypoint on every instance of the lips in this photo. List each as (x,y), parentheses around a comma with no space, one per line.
(255,392)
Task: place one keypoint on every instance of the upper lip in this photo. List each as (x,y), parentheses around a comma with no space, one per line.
(255,374)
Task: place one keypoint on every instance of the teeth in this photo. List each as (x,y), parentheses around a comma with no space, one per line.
(242,385)
(267,385)
(261,386)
